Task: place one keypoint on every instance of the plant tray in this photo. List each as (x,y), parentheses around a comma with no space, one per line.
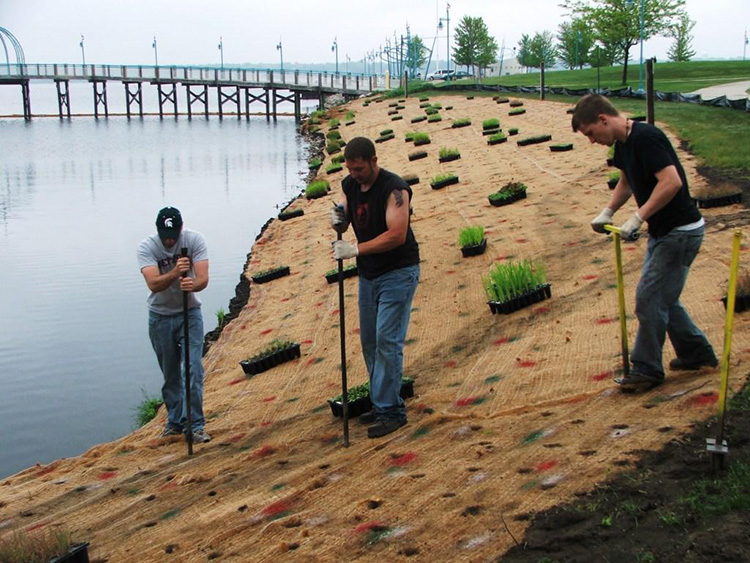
(612,184)
(443,183)
(317,196)
(502,101)
(741,303)
(385,138)
(393,112)
(286,215)
(363,405)
(474,249)
(529,298)
(519,111)
(449,158)
(76,554)
(397,117)
(516,104)
(534,140)
(512,131)
(493,131)
(561,148)
(334,170)
(417,155)
(273,359)
(497,141)
(411,180)
(508,200)
(610,162)
(719,201)
(347,273)
(418,118)
(275,274)
(349,123)
(422,142)
(458,125)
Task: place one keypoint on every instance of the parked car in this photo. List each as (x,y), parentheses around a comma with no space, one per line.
(441,74)
(460,74)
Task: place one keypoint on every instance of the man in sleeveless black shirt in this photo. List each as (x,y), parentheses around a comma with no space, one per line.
(652,173)
(376,202)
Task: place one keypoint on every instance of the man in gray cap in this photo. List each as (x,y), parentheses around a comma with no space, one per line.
(168,274)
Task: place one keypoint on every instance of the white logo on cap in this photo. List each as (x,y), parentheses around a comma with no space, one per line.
(168,223)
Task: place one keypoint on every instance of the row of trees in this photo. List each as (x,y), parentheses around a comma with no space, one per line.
(600,32)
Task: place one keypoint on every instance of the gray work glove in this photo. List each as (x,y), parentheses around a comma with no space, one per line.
(338,219)
(629,230)
(343,250)
(604,218)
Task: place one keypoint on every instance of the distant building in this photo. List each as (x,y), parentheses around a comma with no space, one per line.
(509,66)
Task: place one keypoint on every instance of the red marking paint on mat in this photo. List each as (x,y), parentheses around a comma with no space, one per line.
(264,451)
(545,466)
(590,277)
(45,471)
(574,400)
(243,327)
(520,240)
(270,399)
(541,310)
(237,437)
(502,221)
(319,304)
(335,312)
(465,401)
(266,424)
(450,364)
(238,380)
(572,243)
(35,527)
(106,475)
(307,342)
(356,331)
(703,400)
(629,248)
(404,459)
(603,321)
(267,331)
(500,258)
(168,486)
(285,300)
(275,508)
(369,526)
(548,222)
(602,376)
(310,362)
(503,340)
(450,271)
(526,363)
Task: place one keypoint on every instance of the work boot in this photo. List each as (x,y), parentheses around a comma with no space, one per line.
(170,431)
(368,417)
(200,437)
(384,426)
(678,364)
(636,381)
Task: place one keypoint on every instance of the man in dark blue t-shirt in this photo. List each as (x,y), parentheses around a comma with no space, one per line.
(376,202)
(652,173)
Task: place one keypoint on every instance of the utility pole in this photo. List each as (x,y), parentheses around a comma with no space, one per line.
(83,53)
(280,49)
(156,53)
(221,50)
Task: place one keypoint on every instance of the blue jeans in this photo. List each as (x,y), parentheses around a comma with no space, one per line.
(658,307)
(167,335)
(384,310)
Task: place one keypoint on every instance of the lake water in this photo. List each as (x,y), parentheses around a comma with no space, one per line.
(76,197)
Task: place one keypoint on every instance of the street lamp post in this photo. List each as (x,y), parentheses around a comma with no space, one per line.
(156,53)
(598,67)
(642,25)
(280,49)
(335,47)
(83,52)
(447,39)
(502,56)
(347,63)
(221,51)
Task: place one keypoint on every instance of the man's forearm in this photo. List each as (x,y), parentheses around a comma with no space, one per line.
(382,243)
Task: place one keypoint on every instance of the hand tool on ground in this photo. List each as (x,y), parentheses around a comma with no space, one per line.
(189,429)
(342,332)
(621,299)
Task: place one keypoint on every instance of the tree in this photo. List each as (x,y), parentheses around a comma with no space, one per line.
(535,50)
(617,22)
(416,54)
(576,39)
(681,50)
(474,45)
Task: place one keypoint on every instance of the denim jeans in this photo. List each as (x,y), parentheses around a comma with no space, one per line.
(658,307)
(167,335)
(384,310)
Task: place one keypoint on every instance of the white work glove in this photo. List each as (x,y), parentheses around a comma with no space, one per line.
(338,219)
(629,230)
(343,250)
(604,218)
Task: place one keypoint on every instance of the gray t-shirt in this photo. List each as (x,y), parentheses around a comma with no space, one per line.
(151,252)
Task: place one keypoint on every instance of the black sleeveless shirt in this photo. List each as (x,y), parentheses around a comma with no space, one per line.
(367,215)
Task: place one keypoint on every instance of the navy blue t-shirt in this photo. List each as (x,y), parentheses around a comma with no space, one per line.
(645,152)
(367,215)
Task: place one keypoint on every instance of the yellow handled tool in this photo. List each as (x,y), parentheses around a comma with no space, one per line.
(620,297)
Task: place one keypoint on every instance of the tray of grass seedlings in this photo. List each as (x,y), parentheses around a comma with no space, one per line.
(448,154)
(410,179)
(510,192)
(418,118)
(265,276)
(492,123)
(416,155)
(332,276)
(535,140)
(286,215)
(517,111)
(514,285)
(463,122)
(612,179)
(316,189)
(277,352)
(561,147)
(443,180)
(497,138)
(358,398)
(420,139)
(472,241)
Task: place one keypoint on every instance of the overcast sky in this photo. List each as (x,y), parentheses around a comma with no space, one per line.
(188,31)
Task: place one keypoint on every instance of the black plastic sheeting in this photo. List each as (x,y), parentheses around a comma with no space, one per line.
(722,101)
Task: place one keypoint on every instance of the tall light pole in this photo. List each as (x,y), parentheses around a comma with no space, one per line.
(221,51)
(447,39)
(598,67)
(156,53)
(335,47)
(280,49)
(502,55)
(347,63)
(744,47)
(642,25)
(83,52)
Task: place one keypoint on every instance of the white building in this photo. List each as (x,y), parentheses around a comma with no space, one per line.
(509,66)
